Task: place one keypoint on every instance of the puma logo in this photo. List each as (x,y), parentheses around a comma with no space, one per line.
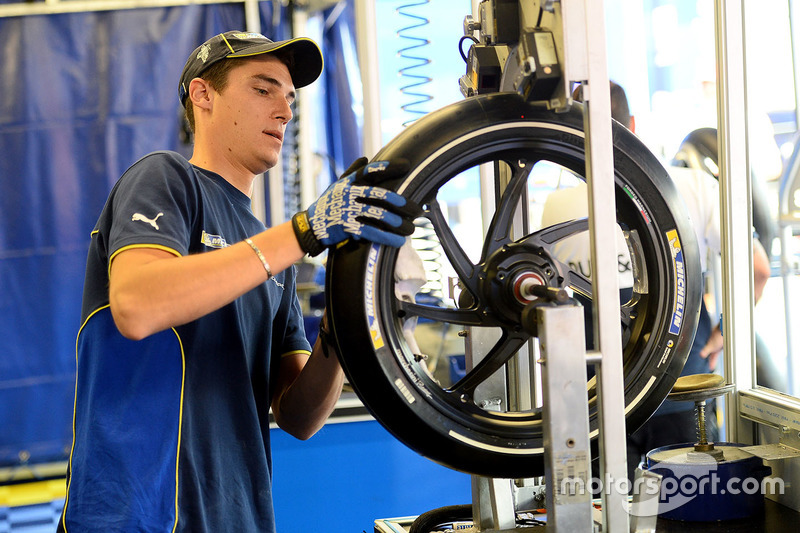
(151,221)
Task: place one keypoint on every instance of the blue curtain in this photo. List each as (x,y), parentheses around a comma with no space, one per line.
(342,78)
(82,97)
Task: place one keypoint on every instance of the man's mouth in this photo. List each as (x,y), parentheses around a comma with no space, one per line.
(278,135)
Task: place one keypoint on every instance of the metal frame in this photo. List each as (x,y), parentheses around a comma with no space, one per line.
(735,199)
(367,44)
(567,452)
(602,220)
(751,409)
(582,47)
(586,48)
(777,420)
(787,224)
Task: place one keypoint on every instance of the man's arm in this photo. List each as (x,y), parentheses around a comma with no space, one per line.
(151,290)
(761,273)
(307,388)
(761,269)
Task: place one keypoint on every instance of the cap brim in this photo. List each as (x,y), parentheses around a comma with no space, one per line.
(307,60)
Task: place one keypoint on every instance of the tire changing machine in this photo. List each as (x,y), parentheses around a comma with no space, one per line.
(575,52)
(579,37)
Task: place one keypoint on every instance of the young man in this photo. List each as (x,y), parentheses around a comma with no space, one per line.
(191,325)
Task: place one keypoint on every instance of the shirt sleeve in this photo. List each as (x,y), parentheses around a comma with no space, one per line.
(154,205)
(293,333)
(700,193)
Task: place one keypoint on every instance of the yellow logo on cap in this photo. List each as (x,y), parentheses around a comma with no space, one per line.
(202,54)
(244,35)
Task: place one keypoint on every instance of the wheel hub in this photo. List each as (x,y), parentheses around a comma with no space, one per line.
(511,273)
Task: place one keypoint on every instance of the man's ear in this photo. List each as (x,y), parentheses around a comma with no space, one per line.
(200,93)
(633,124)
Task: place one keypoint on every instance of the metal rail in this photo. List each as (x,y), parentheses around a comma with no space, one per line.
(735,199)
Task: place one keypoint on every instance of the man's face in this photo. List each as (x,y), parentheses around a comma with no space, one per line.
(251,113)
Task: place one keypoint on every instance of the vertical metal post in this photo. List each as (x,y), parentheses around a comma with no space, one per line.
(367,45)
(794,28)
(786,226)
(737,236)
(305,128)
(588,17)
(493,505)
(565,419)
(486,170)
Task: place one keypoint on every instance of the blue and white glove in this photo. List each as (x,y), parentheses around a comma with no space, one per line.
(353,207)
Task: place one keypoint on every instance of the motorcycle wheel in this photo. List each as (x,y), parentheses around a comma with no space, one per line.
(443,421)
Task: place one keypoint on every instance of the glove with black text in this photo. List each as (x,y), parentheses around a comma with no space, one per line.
(354,207)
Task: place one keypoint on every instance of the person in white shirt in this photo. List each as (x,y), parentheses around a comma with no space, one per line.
(673,422)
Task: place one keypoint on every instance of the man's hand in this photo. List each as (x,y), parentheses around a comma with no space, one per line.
(353,207)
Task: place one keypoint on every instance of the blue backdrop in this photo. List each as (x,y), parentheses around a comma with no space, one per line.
(82,97)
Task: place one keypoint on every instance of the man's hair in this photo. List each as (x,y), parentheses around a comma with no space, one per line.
(620,111)
(217,77)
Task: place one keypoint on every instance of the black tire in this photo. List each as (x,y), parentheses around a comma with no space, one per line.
(435,519)
(442,423)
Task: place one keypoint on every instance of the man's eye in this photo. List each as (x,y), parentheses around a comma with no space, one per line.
(263,92)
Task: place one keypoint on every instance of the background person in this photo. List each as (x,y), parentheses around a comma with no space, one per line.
(700,150)
(673,422)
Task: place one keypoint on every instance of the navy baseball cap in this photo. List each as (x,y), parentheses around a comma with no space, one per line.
(305,67)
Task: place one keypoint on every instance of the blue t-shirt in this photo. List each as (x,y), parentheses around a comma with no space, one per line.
(172,432)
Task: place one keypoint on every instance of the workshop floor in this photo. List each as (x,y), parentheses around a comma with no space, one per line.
(31,507)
